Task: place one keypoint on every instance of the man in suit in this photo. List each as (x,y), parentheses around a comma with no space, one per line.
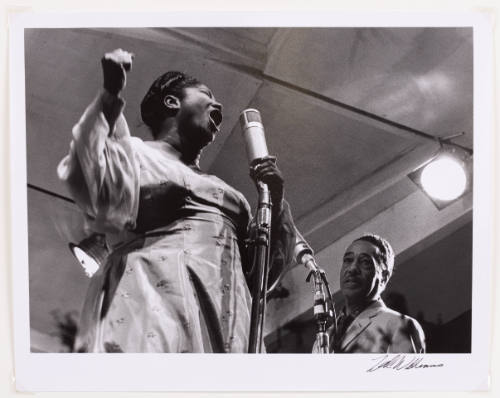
(365,324)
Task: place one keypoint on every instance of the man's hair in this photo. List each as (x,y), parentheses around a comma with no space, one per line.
(386,257)
(153,110)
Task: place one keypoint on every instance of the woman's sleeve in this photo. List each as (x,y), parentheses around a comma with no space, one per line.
(101,169)
(283,240)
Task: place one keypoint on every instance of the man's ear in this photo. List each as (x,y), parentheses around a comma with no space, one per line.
(385,276)
(171,102)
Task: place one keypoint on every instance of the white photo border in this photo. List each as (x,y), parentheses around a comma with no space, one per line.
(243,372)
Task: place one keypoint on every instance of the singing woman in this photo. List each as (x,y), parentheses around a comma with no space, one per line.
(177,280)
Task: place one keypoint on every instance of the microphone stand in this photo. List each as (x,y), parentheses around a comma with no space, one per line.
(261,247)
(322,312)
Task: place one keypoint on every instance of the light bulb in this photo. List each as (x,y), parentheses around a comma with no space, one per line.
(444,178)
(89,265)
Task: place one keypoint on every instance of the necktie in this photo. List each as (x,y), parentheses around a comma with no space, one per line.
(342,325)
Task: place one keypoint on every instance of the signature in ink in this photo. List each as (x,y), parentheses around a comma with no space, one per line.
(401,362)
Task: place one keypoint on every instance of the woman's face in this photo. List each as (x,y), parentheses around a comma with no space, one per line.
(199,116)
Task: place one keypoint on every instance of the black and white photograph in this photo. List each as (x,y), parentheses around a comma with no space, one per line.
(279,191)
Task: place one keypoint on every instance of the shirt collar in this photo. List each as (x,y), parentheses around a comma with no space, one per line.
(379,303)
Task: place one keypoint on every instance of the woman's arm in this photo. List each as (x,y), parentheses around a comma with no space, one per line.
(283,241)
(283,236)
(101,171)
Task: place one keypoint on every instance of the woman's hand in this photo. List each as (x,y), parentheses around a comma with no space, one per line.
(267,171)
(115,66)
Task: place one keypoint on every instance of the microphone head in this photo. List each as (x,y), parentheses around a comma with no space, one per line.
(248,116)
(301,248)
(253,134)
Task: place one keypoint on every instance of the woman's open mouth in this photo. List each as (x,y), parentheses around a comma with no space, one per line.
(215,119)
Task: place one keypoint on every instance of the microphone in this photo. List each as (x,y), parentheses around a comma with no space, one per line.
(253,135)
(303,253)
(256,148)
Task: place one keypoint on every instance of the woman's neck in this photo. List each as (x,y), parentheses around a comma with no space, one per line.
(189,150)
(189,154)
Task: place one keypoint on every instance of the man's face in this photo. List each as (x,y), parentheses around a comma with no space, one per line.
(361,274)
(200,115)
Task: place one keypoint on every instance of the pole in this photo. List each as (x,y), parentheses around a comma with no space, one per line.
(261,247)
(321,313)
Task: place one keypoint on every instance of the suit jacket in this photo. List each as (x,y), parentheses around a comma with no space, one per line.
(379,329)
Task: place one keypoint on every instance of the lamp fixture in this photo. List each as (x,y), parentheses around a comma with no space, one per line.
(447,176)
(444,178)
(91,253)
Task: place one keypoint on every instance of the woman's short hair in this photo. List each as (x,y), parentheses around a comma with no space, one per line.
(386,252)
(153,110)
